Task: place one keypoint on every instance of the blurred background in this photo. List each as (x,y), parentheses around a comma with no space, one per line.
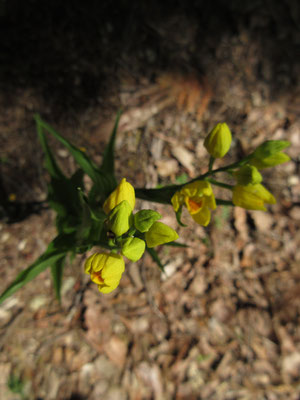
(223,321)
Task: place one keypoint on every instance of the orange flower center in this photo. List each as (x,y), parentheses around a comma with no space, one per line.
(97,278)
(195,205)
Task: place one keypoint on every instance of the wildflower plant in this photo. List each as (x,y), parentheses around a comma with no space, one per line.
(105,217)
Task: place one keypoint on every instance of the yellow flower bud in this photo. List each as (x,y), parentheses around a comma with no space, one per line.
(133,248)
(160,233)
(252,197)
(120,218)
(198,198)
(247,174)
(271,161)
(269,154)
(124,191)
(218,141)
(106,270)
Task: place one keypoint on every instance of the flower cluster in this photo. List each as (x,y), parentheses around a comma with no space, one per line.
(248,192)
(130,235)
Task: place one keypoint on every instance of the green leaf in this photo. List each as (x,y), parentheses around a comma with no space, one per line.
(178,217)
(176,244)
(57,274)
(62,191)
(155,258)
(51,165)
(55,251)
(90,228)
(105,183)
(108,165)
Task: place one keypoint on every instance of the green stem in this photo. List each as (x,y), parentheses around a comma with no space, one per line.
(230,166)
(221,184)
(221,202)
(211,163)
(164,195)
(222,169)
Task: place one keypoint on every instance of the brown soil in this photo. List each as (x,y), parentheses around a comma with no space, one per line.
(223,321)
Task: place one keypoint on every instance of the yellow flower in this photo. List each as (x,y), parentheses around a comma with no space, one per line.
(198,198)
(105,270)
(124,191)
(252,197)
(218,141)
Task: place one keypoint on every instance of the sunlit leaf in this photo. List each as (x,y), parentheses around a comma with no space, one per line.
(55,251)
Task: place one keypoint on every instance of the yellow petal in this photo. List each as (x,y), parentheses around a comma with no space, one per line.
(113,269)
(202,217)
(88,263)
(108,289)
(124,191)
(105,270)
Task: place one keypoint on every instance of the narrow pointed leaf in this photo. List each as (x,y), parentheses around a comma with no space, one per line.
(57,274)
(51,164)
(53,253)
(104,183)
(155,258)
(176,244)
(108,165)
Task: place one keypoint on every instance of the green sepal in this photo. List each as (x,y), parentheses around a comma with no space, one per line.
(120,218)
(133,248)
(269,148)
(247,174)
(144,219)
(160,233)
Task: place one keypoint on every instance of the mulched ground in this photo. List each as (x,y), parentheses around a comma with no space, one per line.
(223,321)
